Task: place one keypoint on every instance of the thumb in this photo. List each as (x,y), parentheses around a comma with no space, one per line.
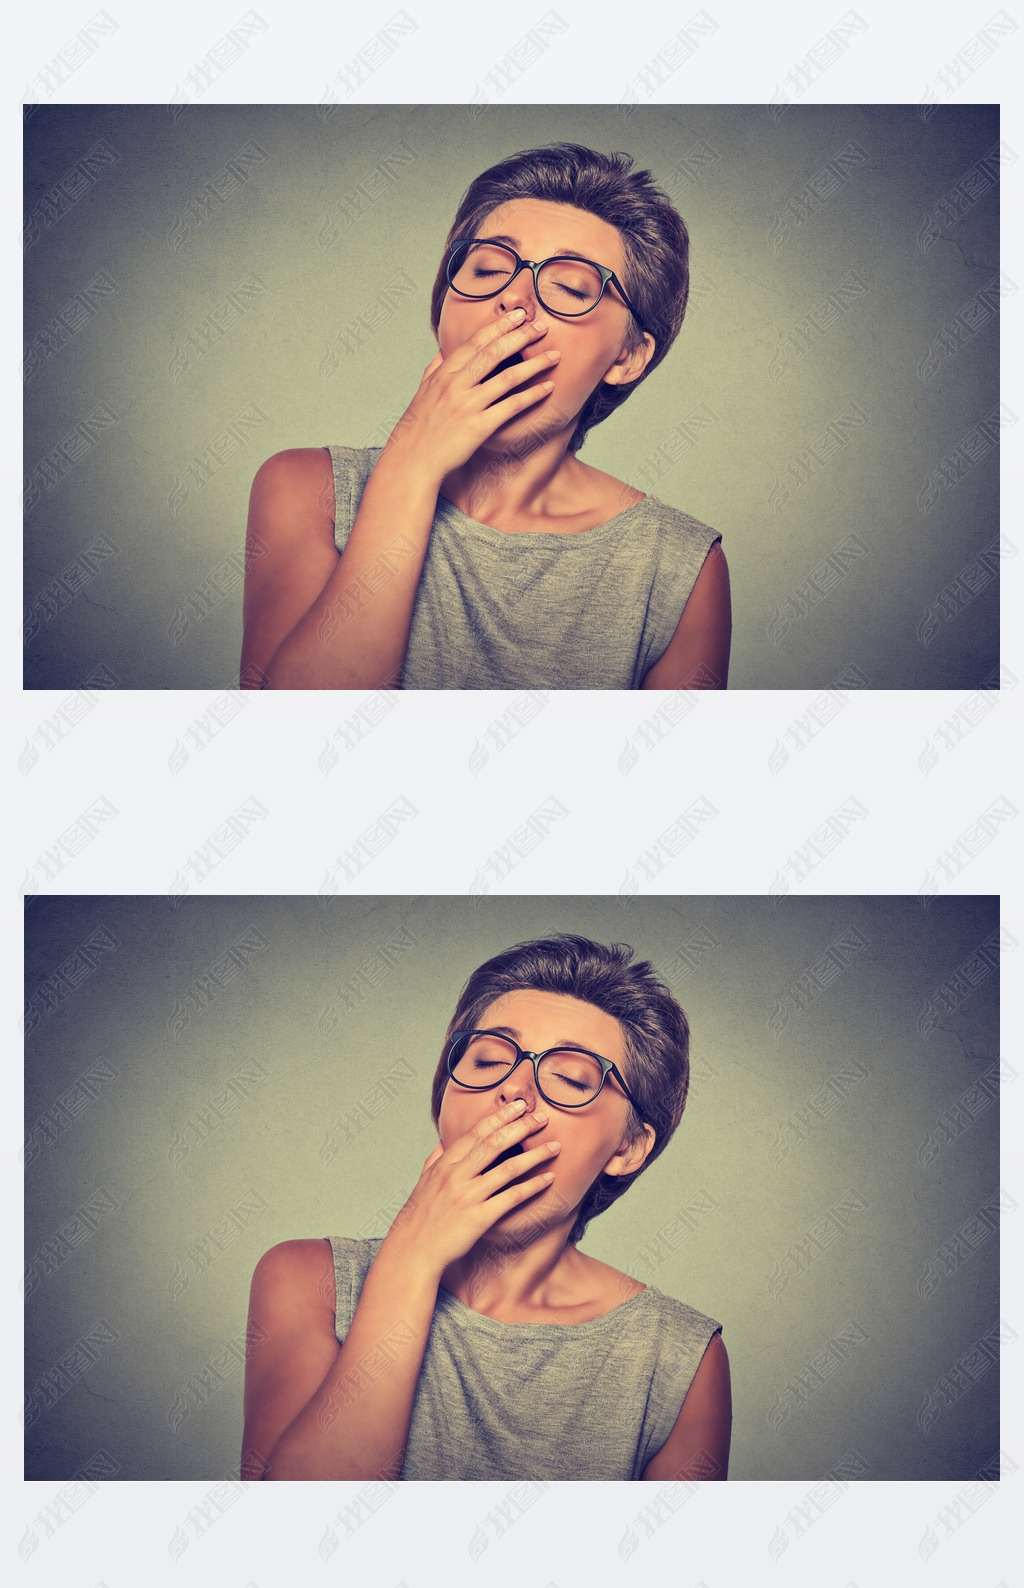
(435,363)
(433,1156)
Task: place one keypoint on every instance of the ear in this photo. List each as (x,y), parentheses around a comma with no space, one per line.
(628,367)
(628,1159)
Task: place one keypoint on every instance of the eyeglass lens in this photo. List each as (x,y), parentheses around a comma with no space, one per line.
(565,286)
(566,1077)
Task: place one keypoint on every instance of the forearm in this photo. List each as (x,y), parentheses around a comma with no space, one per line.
(357,1424)
(356,633)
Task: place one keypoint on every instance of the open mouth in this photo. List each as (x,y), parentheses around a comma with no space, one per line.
(510,1152)
(506,363)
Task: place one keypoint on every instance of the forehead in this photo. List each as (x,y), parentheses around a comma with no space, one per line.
(542,1020)
(541,229)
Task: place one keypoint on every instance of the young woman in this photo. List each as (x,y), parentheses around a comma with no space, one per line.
(475,1341)
(475,550)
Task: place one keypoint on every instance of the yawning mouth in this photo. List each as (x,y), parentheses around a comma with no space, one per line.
(510,1152)
(506,363)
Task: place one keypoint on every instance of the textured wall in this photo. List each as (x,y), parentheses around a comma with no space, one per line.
(206,289)
(206,1081)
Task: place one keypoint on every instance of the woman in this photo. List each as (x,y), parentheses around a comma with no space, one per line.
(474,1341)
(475,550)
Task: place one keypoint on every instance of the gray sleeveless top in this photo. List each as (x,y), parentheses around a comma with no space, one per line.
(540,1401)
(499,610)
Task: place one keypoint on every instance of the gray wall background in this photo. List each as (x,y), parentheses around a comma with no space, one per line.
(155,396)
(203,1082)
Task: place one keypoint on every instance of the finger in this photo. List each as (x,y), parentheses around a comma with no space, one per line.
(491,1135)
(433,1157)
(435,363)
(512,1168)
(482,1150)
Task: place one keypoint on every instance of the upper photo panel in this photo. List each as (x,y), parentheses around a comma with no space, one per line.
(512,397)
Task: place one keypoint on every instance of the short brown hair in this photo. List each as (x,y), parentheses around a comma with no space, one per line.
(655,1030)
(655,242)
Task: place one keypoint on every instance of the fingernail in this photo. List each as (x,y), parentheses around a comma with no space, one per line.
(518,1105)
(514,314)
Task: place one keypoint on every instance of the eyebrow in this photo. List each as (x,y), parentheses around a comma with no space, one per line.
(513,242)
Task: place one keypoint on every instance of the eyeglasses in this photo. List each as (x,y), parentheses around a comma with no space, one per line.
(566,1077)
(564,285)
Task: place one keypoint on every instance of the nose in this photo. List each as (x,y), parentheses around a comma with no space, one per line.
(520,1082)
(520,294)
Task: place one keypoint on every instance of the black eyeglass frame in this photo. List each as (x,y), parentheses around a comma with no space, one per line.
(536,266)
(607,1068)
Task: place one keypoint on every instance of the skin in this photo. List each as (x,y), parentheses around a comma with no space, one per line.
(496,1237)
(497,448)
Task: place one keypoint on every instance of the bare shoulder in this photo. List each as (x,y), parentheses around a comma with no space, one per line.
(305,472)
(295,1274)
